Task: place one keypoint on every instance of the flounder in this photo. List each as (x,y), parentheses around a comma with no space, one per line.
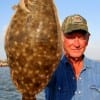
(33,45)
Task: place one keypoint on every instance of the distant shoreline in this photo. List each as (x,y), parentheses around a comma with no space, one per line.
(3,63)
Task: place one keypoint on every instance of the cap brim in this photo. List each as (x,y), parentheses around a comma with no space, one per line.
(72,28)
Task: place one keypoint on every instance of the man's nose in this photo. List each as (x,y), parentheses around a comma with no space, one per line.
(76,42)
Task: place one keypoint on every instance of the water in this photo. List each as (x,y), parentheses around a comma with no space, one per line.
(8,90)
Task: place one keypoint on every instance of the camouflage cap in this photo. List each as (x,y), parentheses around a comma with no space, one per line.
(73,23)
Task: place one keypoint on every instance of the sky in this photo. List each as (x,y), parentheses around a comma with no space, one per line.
(89,9)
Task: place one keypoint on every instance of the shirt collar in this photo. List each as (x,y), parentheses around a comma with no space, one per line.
(64,59)
(86,61)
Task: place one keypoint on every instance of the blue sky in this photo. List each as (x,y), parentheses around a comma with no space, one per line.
(90,9)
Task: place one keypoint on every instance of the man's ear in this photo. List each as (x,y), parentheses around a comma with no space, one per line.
(88,37)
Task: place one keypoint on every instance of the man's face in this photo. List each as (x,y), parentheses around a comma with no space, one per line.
(74,44)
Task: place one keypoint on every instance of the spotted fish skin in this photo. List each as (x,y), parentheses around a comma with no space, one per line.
(33,45)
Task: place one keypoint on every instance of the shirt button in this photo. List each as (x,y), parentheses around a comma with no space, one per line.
(59,88)
(79,92)
(80,78)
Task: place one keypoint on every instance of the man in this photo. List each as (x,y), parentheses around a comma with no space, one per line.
(76,77)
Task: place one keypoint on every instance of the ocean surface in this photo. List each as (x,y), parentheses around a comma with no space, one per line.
(8,90)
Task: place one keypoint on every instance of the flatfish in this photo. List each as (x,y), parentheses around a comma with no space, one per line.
(33,45)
